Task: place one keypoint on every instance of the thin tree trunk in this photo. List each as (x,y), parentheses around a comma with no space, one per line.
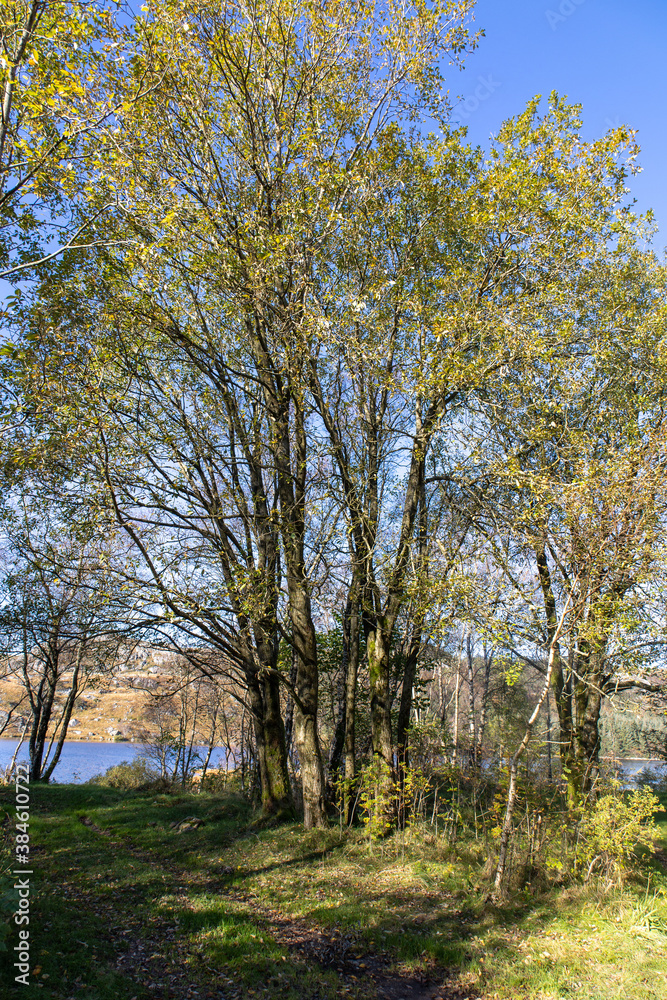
(488,659)
(549,763)
(471,700)
(442,710)
(67,715)
(12,764)
(289,708)
(187,757)
(211,742)
(456,711)
(351,705)
(337,748)
(514,765)
(40,724)
(407,691)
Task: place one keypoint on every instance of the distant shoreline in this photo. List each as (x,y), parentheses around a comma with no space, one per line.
(77,739)
(641,760)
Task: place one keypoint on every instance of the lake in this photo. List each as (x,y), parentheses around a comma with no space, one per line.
(81,760)
(632,768)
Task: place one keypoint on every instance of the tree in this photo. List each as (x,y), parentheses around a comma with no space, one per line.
(188,479)
(573,432)
(314,349)
(58,618)
(235,175)
(184,723)
(380,374)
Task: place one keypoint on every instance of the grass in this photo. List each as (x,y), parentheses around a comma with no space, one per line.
(129,907)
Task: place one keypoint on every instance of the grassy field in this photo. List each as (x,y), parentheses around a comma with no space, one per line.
(125,905)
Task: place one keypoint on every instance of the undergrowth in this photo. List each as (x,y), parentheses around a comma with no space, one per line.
(212,901)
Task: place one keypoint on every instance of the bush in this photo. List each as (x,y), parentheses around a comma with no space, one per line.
(612,829)
(126,775)
(378,792)
(213,781)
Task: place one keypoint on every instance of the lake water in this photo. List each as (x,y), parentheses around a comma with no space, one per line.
(633,767)
(80,760)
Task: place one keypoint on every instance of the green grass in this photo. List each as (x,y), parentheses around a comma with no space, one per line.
(223,908)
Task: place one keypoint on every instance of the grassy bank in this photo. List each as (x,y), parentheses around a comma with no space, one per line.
(125,905)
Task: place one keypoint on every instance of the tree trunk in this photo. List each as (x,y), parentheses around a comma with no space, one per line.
(289,707)
(514,768)
(549,757)
(456,710)
(338,740)
(378,662)
(278,795)
(472,730)
(405,707)
(67,715)
(412,658)
(351,705)
(42,707)
(306,735)
(290,452)
(581,753)
(270,738)
(211,743)
(488,660)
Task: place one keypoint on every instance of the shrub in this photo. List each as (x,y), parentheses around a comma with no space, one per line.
(215,780)
(612,829)
(378,793)
(127,774)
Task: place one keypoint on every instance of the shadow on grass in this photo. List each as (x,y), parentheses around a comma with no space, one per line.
(150,872)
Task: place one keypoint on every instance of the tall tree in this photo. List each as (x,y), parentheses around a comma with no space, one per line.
(571,435)
(235,176)
(189,477)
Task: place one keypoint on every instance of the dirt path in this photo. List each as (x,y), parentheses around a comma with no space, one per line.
(154,956)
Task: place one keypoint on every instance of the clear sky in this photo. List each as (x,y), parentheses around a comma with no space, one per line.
(608,55)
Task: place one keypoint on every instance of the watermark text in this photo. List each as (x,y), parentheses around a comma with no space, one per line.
(22,873)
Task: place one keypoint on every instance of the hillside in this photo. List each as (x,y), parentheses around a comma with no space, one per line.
(109,706)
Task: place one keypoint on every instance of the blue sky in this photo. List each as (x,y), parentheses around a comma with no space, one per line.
(608,55)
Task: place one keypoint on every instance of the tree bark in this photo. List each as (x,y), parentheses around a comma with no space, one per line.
(488,660)
(351,705)
(456,710)
(472,728)
(381,729)
(336,750)
(270,738)
(407,691)
(41,703)
(66,716)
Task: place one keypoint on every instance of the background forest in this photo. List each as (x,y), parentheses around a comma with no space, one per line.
(364,426)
